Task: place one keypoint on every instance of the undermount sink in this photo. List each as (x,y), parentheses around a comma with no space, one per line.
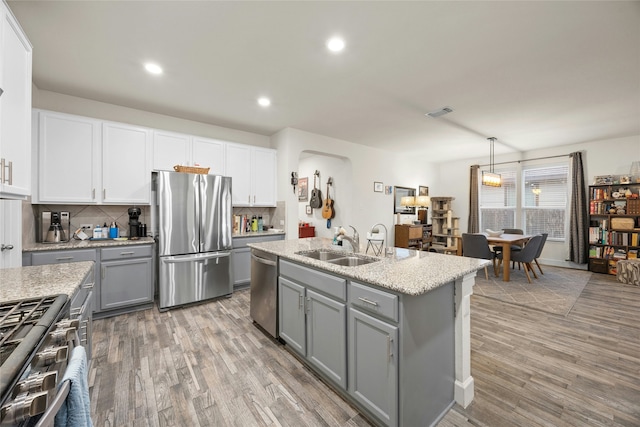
(339,258)
(352,261)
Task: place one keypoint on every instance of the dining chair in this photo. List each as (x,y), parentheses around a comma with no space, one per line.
(477,246)
(525,256)
(544,240)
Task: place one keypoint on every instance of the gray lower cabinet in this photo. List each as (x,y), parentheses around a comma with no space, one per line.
(398,365)
(241,257)
(123,279)
(373,365)
(126,277)
(313,321)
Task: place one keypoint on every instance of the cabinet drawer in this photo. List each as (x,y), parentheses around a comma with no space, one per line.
(373,300)
(57,257)
(125,252)
(242,242)
(323,282)
(415,232)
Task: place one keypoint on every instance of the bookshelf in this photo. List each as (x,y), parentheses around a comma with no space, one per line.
(614,225)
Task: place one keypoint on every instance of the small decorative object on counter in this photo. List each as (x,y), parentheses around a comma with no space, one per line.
(260,223)
(97,232)
(105,231)
(254,223)
(113,230)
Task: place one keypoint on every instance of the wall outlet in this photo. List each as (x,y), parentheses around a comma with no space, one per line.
(84,226)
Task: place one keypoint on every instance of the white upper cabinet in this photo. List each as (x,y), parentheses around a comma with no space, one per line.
(253,174)
(15,108)
(126,158)
(170,149)
(68,158)
(209,153)
(263,168)
(87,161)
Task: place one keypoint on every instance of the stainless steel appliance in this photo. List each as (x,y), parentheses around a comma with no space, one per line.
(36,339)
(263,307)
(55,227)
(194,237)
(134,224)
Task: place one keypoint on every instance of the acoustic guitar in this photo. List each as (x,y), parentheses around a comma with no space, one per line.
(327,209)
(316,195)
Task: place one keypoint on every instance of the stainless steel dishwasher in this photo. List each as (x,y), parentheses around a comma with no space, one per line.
(264,290)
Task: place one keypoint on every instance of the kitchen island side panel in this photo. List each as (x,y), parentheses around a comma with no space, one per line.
(427,355)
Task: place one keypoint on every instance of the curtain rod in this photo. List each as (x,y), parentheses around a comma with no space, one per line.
(528,160)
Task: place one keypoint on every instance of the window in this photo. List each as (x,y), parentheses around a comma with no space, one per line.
(544,200)
(538,205)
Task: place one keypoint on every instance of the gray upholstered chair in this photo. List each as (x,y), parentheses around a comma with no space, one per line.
(526,255)
(477,246)
(544,240)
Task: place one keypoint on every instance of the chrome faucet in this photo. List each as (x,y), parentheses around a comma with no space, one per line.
(354,241)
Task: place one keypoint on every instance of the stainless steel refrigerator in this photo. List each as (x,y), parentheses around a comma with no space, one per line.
(194,237)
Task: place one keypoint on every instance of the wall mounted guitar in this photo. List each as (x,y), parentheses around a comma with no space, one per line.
(328,212)
(316,195)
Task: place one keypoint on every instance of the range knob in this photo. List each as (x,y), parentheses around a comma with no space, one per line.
(23,407)
(37,382)
(61,336)
(68,323)
(50,355)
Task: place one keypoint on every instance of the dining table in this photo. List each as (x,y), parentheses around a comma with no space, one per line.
(506,240)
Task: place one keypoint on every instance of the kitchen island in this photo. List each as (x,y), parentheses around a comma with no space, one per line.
(391,336)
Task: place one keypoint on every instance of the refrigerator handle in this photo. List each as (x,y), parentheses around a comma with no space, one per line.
(195,258)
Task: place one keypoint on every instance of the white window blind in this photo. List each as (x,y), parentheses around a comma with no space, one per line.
(544,200)
(539,204)
(498,204)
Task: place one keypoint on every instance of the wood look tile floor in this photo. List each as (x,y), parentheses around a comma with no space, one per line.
(208,365)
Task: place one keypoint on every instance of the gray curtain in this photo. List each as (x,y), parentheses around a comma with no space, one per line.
(474,210)
(579,218)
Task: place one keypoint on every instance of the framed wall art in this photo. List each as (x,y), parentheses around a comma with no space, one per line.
(303,189)
(398,194)
(423,191)
(378,187)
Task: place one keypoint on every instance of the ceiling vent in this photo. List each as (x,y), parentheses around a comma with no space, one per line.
(440,112)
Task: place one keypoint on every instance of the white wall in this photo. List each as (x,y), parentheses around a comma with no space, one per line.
(365,207)
(86,107)
(613,156)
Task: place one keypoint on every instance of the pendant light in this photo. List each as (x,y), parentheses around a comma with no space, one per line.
(491,178)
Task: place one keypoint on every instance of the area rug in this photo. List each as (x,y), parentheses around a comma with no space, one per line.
(555,291)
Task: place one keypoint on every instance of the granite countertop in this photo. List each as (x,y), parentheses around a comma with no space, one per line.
(42,280)
(406,271)
(84,244)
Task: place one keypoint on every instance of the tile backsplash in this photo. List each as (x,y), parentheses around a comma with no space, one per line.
(81,214)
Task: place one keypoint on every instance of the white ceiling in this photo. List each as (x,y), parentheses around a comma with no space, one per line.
(533,74)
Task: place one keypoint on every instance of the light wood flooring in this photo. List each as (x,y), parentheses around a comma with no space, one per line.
(208,365)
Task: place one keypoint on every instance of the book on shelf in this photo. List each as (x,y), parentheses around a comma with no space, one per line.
(633,254)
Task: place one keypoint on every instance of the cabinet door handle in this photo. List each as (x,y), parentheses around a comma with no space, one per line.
(389,348)
(368,301)
(300,301)
(6,247)
(104,194)
(254,199)
(249,199)
(308,307)
(10,180)
(2,170)
(93,193)
(127,253)
(103,272)
(64,258)
(88,286)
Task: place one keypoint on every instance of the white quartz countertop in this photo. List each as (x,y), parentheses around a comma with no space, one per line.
(406,271)
(258,233)
(84,244)
(42,280)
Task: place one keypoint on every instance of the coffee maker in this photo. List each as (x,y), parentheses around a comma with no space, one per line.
(55,227)
(134,224)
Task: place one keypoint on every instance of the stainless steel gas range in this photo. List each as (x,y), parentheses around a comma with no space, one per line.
(36,339)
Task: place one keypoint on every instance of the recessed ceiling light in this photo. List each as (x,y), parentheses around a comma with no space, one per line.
(153,68)
(335,44)
(263,101)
